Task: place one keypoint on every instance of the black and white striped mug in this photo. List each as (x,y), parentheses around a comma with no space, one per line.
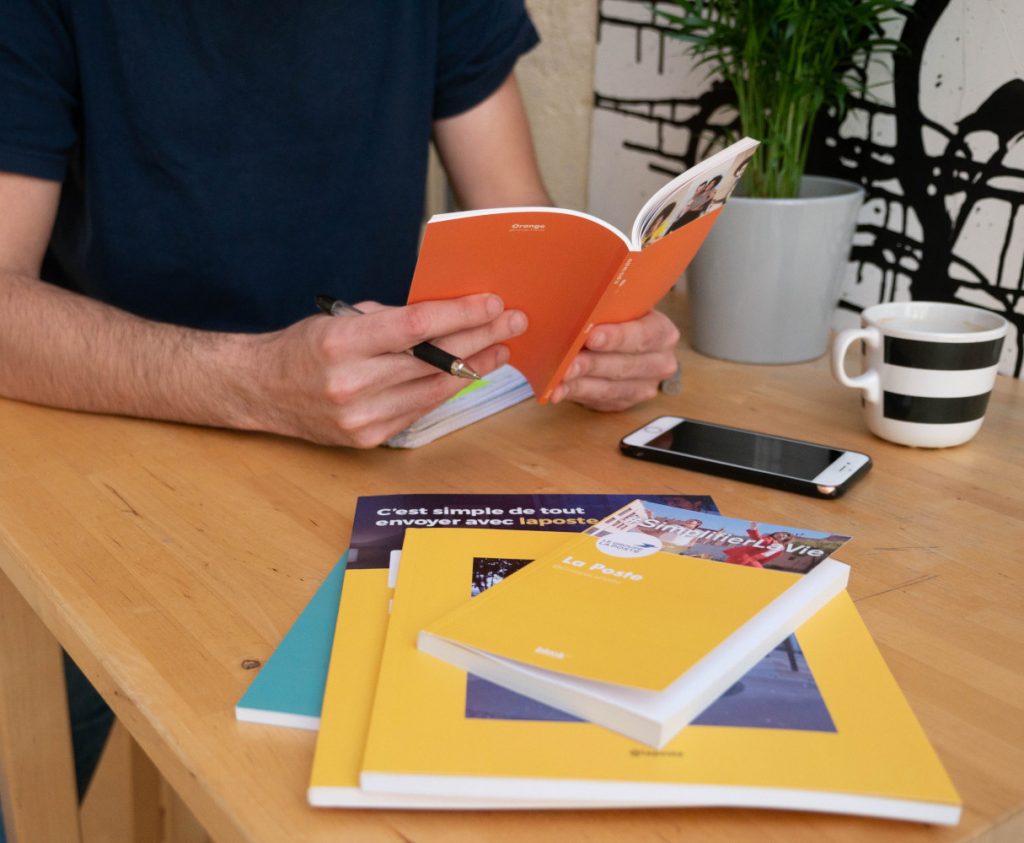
(929,369)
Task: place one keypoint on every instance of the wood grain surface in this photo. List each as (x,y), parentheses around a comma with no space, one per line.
(163,557)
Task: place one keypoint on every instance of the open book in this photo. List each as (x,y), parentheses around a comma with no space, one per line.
(569,271)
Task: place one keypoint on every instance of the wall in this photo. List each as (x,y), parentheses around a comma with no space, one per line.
(557,79)
(557,83)
(939,146)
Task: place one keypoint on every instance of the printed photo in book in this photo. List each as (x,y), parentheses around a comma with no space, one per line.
(712,536)
(690,199)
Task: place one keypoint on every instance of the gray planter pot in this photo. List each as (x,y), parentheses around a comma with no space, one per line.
(763,287)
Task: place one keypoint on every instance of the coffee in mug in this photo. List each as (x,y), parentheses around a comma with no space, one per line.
(930,367)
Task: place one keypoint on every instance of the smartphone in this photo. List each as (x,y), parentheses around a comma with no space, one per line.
(789,464)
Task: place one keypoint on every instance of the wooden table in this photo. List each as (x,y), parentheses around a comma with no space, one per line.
(165,557)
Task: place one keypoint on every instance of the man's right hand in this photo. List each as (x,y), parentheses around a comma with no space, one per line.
(347,381)
(336,380)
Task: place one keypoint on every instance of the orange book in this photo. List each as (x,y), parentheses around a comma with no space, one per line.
(569,271)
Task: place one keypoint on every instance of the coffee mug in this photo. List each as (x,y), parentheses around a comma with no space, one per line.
(930,367)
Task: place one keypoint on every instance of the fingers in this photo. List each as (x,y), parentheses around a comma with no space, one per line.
(366,337)
(622,364)
(386,330)
(652,332)
(655,365)
(471,341)
(377,372)
(605,395)
(321,379)
(371,418)
(615,381)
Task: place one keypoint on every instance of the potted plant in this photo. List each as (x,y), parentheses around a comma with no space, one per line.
(764,286)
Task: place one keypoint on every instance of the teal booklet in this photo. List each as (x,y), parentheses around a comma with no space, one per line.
(289,688)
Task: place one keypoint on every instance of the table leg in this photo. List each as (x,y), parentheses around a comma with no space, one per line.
(147,816)
(182,826)
(37,773)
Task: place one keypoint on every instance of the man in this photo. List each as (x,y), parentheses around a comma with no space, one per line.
(178,180)
(219,169)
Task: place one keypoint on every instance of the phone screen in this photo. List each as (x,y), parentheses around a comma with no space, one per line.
(738,447)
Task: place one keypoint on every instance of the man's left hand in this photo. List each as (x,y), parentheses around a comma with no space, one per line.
(621,365)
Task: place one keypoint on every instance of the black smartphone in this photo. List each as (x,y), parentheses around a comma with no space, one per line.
(789,464)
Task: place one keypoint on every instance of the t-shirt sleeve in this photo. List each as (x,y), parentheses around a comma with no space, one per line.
(479,42)
(38,90)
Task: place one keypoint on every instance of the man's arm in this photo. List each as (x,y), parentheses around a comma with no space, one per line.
(338,381)
(488,155)
(66,350)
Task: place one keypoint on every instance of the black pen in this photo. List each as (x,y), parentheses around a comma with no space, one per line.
(425,351)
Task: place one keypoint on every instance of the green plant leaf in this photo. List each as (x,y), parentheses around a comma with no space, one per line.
(785,60)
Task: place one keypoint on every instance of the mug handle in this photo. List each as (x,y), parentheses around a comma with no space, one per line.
(868,381)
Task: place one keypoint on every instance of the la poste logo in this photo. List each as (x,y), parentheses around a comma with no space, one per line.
(628,545)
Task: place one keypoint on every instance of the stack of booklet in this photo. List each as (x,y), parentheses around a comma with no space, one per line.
(502,388)
(557,651)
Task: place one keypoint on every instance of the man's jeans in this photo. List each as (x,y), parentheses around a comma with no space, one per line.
(91,720)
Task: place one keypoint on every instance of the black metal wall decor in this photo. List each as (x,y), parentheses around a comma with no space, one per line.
(943,167)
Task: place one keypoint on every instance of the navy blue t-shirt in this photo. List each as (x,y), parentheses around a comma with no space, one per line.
(225,160)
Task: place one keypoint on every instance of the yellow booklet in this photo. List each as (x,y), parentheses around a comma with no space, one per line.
(358,643)
(615,631)
(819,724)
